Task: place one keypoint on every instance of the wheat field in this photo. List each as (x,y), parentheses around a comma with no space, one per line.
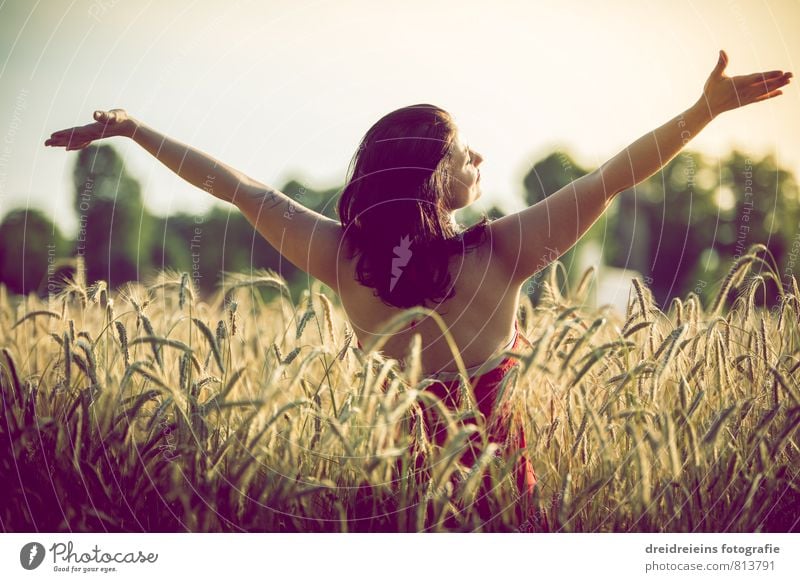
(150,409)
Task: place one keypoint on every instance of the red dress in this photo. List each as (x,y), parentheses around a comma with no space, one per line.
(485,391)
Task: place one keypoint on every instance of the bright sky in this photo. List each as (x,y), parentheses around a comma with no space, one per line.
(280,89)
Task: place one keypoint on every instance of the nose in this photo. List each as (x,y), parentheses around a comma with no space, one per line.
(477,158)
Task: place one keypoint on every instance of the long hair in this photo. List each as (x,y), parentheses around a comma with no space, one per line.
(393,209)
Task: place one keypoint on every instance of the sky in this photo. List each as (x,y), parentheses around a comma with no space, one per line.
(285,89)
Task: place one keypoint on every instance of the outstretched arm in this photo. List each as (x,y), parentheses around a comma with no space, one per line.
(306,238)
(652,151)
(527,241)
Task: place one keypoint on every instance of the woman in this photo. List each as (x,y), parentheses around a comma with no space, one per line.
(398,244)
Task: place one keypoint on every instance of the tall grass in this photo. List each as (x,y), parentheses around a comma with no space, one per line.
(153,410)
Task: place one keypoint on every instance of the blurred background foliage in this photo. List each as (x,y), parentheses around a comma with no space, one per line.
(680,230)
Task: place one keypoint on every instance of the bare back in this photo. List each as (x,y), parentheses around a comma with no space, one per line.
(480,316)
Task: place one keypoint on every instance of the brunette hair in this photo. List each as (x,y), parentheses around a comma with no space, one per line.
(393,210)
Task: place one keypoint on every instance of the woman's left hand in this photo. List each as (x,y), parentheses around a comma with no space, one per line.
(722,93)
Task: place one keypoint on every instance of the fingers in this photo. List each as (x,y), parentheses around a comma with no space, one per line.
(70,138)
(59,138)
(78,147)
(769,95)
(767,79)
(762,87)
(756,77)
(766,86)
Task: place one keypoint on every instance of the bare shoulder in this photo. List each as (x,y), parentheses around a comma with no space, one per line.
(517,253)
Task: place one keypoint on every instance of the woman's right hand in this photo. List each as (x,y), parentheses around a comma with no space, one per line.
(722,93)
(107,124)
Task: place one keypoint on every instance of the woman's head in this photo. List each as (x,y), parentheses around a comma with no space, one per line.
(465,186)
(411,171)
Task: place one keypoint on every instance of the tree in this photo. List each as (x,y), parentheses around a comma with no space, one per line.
(114,233)
(685,226)
(31,247)
(663,225)
(766,210)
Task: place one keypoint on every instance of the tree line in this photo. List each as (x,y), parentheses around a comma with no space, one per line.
(681,229)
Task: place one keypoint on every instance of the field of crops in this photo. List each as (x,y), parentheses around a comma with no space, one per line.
(150,409)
